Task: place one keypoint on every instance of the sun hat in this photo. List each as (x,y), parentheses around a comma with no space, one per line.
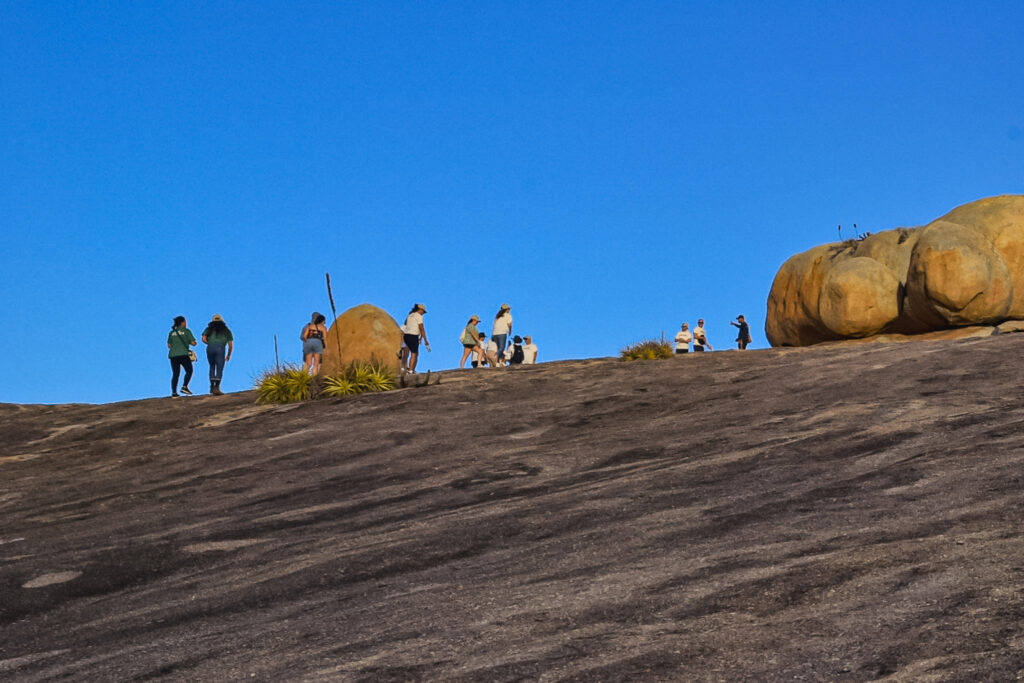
(506,307)
(216,318)
(475,317)
(421,307)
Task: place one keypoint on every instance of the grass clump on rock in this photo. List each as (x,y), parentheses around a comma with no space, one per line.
(651,349)
(292,384)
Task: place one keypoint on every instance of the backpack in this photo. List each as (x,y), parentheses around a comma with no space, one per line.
(517,354)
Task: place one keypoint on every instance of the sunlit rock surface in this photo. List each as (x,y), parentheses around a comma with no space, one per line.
(963,269)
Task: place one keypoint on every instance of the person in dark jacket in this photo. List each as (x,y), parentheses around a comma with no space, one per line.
(178,342)
(743,336)
(220,344)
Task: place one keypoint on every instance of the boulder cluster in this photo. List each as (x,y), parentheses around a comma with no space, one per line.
(965,268)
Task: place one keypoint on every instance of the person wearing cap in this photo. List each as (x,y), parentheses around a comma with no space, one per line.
(502,328)
(700,338)
(479,359)
(312,336)
(529,351)
(743,334)
(220,344)
(412,331)
(470,339)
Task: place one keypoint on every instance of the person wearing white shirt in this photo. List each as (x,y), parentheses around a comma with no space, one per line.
(683,339)
(529,351)
(412,331)
(700,337)
(502,328)
(492,353)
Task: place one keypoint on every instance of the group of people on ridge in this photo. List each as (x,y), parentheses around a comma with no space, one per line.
(220,344)
(699,336)
(498,351)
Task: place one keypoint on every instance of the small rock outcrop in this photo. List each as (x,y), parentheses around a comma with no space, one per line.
(963,269)
(363,333)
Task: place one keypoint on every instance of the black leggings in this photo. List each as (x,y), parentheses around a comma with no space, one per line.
(177,363)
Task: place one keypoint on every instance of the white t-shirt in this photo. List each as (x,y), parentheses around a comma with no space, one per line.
(503,325)
(529,354)
(698,334)
(412,324)
(492,347)
(683,339)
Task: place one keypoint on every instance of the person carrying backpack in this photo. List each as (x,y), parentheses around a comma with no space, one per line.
(517,356)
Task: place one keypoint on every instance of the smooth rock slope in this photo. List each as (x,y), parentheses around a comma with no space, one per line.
(843,513)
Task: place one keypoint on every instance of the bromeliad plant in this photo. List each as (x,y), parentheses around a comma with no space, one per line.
(651,349)
(291,384)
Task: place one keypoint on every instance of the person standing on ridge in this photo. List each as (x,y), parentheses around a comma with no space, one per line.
(700,338)
(412,331)
(743,336)
(683,339)
(217,338)
(178,342)
(502,328)
(312,336)
(470,340)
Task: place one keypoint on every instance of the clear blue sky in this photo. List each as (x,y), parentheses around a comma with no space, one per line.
(610,169)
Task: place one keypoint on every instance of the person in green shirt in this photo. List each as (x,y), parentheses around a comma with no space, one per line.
(218,339)
(178,342)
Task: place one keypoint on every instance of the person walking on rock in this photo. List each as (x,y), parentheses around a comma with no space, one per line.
(683,339)
(312,336)
(529,351)
(700,338)
(412,331)
(178,342)
(470,339)
(743,335)
(502,328)
(220,344)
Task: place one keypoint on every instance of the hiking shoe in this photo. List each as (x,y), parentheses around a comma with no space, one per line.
(186,391)
(174,395)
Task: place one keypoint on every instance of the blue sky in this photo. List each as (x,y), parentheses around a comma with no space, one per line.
(610,169)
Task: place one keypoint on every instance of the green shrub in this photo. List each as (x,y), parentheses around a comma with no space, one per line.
(288,385)
(651,349)
(291,384)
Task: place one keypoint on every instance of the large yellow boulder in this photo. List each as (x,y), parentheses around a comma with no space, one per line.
(965,268)
(363,333)
(859,297)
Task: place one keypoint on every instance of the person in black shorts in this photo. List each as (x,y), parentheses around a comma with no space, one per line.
(412,330)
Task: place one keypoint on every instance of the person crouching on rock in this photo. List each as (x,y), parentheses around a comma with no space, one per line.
(470,340)
(412,331)
(217,338)
(312,336)
(178,342)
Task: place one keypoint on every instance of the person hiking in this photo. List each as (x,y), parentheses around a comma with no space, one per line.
(218,339)
(502,328)
(178,341)
(412,331)
(700,338)
(683,339)
(312,336)
(743,335)
(470,339)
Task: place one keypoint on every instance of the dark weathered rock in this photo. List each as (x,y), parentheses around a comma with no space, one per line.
(837,513)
